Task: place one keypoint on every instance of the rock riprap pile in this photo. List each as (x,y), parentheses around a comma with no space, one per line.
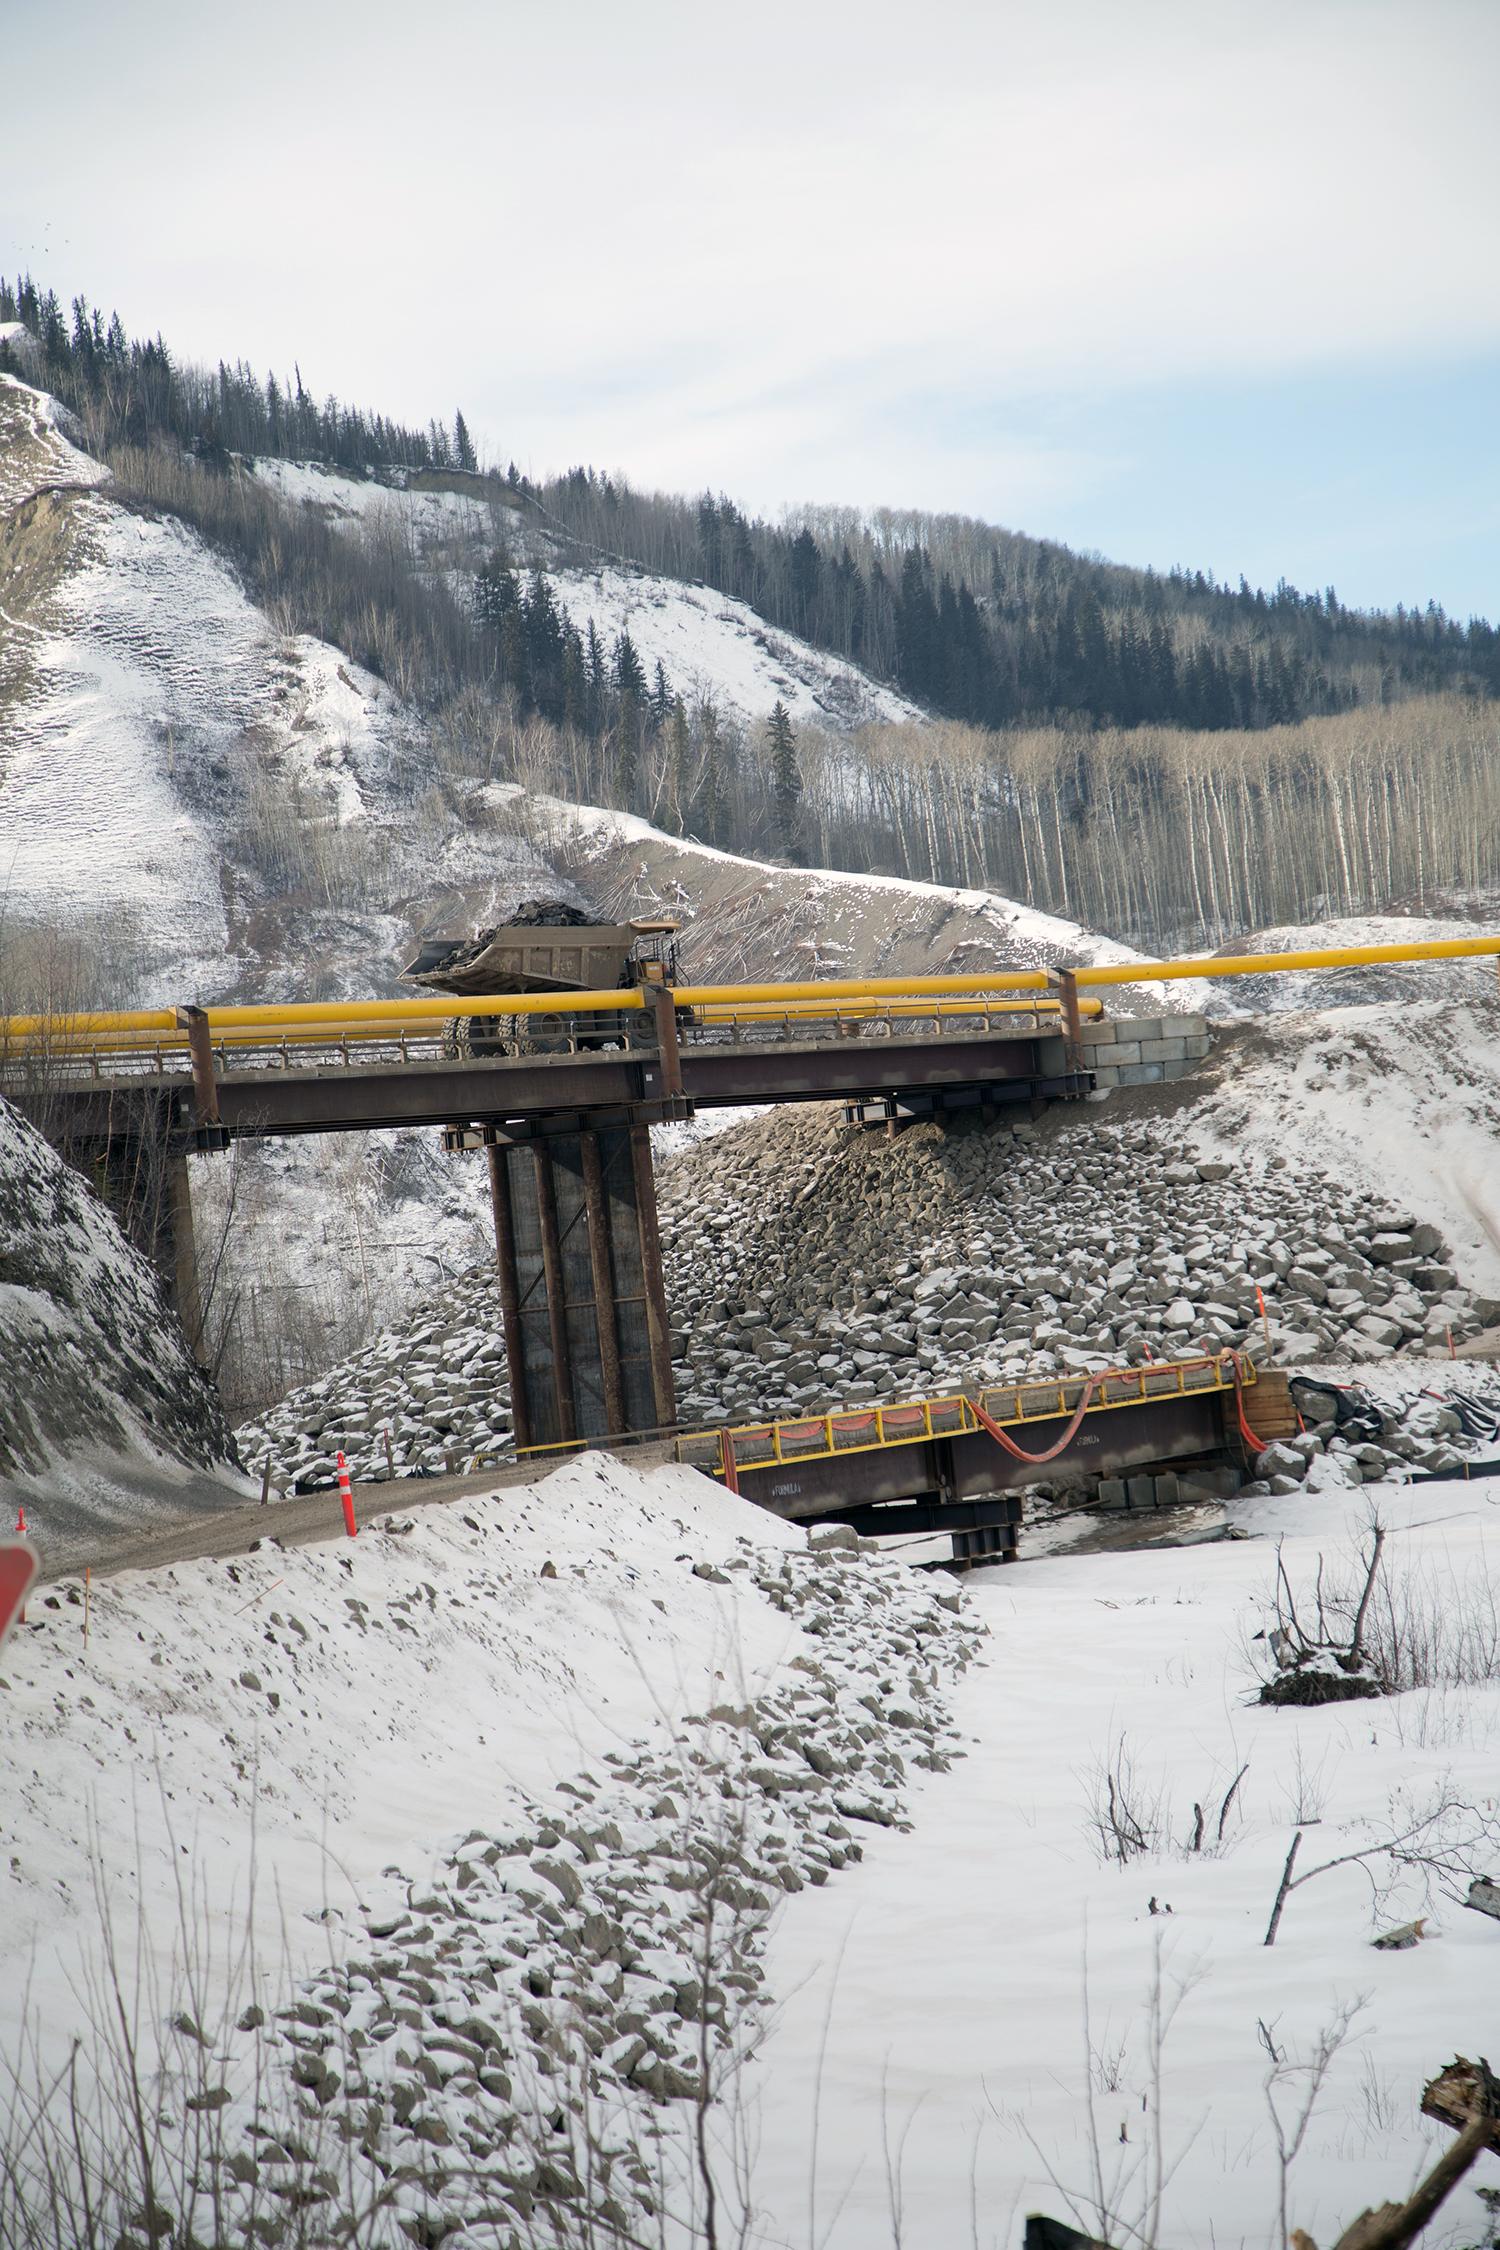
(515,2047)
(808,1263)
(418,1401)
(1354,1435)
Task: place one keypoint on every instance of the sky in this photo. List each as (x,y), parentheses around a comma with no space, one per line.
(1176,281)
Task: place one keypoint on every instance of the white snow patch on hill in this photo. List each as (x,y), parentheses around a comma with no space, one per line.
(158,695)
(716,648)
(34,455)
(712,645)
(301,1718)
(1404,1099)
(431,522)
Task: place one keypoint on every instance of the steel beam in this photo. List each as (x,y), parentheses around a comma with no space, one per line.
(557,1302)
(588,1339)
(509,1092)
(658,1320)
(597,1207)
(510,1296)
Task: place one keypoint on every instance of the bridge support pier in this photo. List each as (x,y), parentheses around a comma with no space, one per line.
(587,1332)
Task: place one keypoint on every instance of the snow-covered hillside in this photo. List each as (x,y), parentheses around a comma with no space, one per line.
(745,918)
(715,647)
(712,646)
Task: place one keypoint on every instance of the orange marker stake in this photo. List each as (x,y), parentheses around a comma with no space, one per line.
(1265,1318)
(347,1496)
(1452,1354)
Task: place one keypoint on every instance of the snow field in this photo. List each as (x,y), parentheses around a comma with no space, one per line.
(461,1757)
(933,2007)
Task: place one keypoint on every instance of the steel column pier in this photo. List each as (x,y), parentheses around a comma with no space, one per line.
(587,1334)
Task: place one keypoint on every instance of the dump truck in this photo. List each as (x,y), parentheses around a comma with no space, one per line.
(544,947)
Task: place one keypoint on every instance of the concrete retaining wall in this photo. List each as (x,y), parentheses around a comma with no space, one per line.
(1142,1050)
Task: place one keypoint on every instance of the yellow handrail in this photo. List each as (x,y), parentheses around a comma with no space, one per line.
(1145,1384)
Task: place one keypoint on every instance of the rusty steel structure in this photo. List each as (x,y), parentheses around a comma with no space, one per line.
(565,1133)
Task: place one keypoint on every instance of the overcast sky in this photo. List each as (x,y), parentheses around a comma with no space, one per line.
(1177,280)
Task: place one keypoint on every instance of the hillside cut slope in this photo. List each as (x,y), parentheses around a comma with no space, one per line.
(103,1413)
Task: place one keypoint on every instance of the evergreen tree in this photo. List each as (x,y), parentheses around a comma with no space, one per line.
(496,593)
(713,785)
(661,699)
(630,677)
(463,446)
(679,762)
(628,751)
(786,781)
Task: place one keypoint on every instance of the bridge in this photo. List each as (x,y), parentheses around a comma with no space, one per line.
(564,1124)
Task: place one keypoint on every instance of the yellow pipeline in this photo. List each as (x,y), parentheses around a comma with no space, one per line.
(375,1018)
(318,1014)
(805,1011)
(1319,957)
(867,988)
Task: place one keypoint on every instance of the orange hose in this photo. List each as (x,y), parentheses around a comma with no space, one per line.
(1019,1452)
(1256,1445)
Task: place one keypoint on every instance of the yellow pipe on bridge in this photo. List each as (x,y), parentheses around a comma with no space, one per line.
(306,1020)
(1316,957)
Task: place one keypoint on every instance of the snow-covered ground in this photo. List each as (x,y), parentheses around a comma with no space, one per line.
(952,2013)
(1406,1097)
(302,1717)
(956,2031)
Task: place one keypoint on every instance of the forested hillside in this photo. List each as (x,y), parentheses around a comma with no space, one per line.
(996,628)
(1160,756)
(976,622)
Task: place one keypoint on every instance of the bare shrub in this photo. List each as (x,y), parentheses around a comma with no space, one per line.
(1366,1627)
(1129,1811)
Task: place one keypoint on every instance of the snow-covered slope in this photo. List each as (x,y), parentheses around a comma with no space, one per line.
(99,1399)
(1361,985)
(716,648)
(713,647)
(161,740)
(743,918)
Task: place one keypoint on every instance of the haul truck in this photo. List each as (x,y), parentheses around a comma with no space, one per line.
(544,947)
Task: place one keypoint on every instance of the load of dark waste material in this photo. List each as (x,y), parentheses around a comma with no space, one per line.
(472,964)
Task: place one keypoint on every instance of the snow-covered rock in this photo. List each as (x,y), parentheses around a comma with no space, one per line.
(99,1396)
